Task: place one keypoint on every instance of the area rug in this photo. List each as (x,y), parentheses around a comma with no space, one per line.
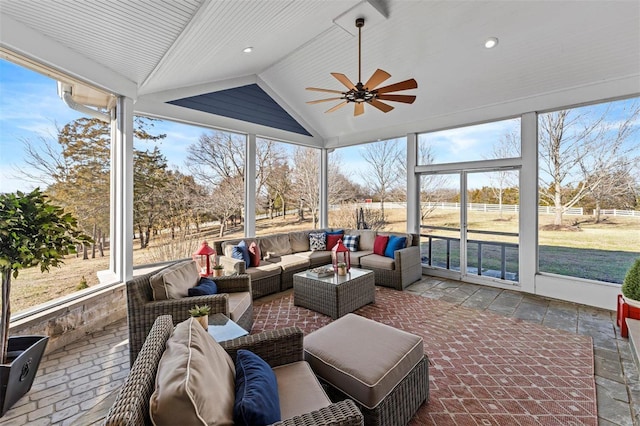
(485,369)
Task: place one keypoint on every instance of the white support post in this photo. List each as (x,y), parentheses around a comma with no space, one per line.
(324,188)
(250,187)
(413,185)
(528,253)
(121,242)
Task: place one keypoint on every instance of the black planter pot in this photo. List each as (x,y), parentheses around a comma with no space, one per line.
(16,378)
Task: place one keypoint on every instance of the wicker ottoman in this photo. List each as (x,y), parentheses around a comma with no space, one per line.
(382,369)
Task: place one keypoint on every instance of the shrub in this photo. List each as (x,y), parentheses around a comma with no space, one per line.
(631,283)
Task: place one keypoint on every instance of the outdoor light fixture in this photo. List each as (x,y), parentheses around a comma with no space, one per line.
(340,254)
(203,259)
(491,42)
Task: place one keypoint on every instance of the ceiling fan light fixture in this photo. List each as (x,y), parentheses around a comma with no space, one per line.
(368,92)
(491,42)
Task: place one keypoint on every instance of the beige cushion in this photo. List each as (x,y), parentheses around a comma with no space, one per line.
(195,382)
(409,237)
(299,390)
(367,237)
(265,270)
(363,358)
(278,244)
(316,257)
(291,261)
(299,241)
(355,256)
(175,281)
(377,261)
(239,302)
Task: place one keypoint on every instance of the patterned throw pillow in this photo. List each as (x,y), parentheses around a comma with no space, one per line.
(317,241)
(351,242)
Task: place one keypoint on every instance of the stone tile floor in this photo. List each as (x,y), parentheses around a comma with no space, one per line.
(71,381)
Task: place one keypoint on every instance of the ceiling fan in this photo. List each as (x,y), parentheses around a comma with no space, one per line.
(360,93)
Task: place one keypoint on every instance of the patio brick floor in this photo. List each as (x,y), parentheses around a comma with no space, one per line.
(72,380)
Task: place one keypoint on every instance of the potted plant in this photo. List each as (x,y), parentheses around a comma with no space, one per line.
(201,314)
(631,285)
(218,270)
(342,268)
(33,232)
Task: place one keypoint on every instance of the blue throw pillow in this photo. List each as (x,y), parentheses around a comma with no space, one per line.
(257,401)
(204,288)
(241,252)
(395,243)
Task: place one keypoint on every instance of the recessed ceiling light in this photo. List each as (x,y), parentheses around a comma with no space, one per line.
(248,49)
(491,42)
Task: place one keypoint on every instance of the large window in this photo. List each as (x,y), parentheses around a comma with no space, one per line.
(287,179)
(367,186)
(470,210)
(589,214)
(45,144)
(499,139)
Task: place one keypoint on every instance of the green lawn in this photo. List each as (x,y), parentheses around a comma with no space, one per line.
(599,251)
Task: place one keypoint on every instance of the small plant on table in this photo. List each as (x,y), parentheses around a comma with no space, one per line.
(201,314)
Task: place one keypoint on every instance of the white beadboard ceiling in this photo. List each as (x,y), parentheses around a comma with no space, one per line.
(550,54)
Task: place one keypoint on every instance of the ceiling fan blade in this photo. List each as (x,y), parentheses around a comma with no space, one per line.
(403,85)
(340,105)
(344,80)
(358,109)
(407,99)
(318,89)
(381,105)
(323,100)
(378,77)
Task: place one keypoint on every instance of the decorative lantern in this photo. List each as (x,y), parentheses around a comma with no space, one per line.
(340,254)
(203,259)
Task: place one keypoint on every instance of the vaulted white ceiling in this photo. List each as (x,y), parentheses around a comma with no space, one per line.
(550,54)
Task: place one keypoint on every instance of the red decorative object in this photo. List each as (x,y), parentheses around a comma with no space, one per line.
(625,311)
(203,259)
(340,254)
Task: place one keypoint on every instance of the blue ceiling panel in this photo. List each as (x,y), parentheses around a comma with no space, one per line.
(247,103)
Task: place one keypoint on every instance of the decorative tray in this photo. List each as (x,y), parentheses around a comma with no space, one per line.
(320,272)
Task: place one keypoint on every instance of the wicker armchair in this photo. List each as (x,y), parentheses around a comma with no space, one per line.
(142,310)
(278,347)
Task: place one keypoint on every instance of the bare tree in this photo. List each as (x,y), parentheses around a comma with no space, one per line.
(507,147)
(224,203)
(384,170)
(305,179)
(577,147)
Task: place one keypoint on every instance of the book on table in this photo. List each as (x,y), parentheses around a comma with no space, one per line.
(322,271)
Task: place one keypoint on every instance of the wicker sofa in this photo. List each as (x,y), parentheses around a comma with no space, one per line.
(233,300)
(278,348)
(283,255)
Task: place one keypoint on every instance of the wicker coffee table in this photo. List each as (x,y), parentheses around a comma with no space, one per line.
(334,295)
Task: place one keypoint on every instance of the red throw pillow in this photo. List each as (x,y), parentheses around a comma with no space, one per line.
(332,240)
(254,254)
(380,244)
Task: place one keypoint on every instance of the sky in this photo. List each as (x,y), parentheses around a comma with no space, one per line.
(30,109)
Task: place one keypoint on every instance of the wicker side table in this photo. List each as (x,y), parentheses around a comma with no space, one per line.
(334,295)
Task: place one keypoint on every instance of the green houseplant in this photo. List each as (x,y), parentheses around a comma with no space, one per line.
(631,284)
(33,232)
(218,270)
(201,314)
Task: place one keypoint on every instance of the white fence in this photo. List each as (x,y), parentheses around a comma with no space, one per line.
(485,207)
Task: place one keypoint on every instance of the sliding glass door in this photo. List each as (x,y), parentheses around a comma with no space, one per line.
(470,222)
